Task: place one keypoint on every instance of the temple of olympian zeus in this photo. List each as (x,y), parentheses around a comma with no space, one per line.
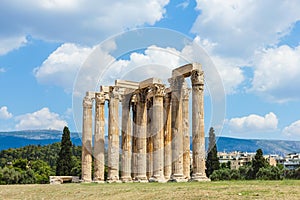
(155,135)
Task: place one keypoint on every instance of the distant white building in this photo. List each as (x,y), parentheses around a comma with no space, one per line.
(290,161)
(238,159)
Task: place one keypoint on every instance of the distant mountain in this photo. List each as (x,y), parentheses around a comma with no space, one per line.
(280,147)
(42,137)
(17,139)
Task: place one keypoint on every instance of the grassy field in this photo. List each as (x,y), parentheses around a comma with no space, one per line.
(287,189)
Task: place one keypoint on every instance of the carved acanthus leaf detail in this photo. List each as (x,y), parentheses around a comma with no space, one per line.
(158,90)
(197,77)
(87,102)
(100,97)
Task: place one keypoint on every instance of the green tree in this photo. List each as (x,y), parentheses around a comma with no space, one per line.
(245,172)
(269,173)
(64,162)
(10,176)
(235,174)
(42,171)
(212,161)
(221,174)
(258,162)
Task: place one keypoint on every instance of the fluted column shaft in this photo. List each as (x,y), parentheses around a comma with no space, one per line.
(167,137)
(186,131)
(126,139)
(113,136)
(87,140)
(158,131)
(177,135)
(134,138)
(99,162)
(141,134)
(149,139)
(197,79)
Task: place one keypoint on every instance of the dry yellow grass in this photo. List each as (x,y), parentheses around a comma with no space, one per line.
(287,189)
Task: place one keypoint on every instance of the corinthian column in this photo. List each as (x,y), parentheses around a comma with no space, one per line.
(186,131)
(87,139)
(134,138)
(149,172)
(113,136)
(177,136)
(141,134)
(158,131)
(167,137)
(99,138)
(197,79)
(126,139)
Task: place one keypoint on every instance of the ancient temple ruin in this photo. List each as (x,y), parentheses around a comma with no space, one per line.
(154,131)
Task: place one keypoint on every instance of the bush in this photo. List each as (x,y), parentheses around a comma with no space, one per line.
(221,174)
(235,174)
(292,174)
(269,173)
(10,176)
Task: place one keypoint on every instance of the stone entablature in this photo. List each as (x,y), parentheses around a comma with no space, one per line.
(154,130)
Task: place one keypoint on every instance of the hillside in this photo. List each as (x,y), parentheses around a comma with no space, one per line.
(280,147)
(43,137)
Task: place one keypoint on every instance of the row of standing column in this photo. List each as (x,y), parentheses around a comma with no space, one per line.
(166,154)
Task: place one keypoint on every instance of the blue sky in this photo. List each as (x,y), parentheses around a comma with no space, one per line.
(254,45)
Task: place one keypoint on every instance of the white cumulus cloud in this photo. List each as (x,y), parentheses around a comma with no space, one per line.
(253,123)
(229,69)
(61,66)
(241,27)
(154,62)
(4,114)
(75,20)
(41,119)
(9,43)
(293,130)
(277,73)
(247,33)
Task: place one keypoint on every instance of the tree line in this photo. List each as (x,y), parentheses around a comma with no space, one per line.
(258,168)
(35,163)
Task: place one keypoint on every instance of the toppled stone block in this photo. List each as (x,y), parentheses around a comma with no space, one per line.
(62,179)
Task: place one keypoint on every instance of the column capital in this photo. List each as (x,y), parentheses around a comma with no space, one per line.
(114,92)
(141,95)
(87,102)
(197,78)
(158,90)
(100,97)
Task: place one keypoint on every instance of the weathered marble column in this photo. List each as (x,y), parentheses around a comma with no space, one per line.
(197,79)
(126,139)
(141,134)
(158,133)
(134,138)
(177,134)
(99,161)
(86,168)
(167,137)
(113,136)
(186,131)
(149,172)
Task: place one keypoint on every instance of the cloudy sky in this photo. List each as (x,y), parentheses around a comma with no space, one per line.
(254,45)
